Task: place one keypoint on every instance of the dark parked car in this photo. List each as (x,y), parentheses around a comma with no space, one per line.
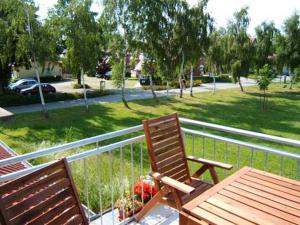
(106,76)
(34,90)
(21,84)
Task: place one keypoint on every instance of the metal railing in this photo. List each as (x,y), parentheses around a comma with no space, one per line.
(105,172)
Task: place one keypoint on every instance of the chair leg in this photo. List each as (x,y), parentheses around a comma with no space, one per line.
(150,205)
(214,175)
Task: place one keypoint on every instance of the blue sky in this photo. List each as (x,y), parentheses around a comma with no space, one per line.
(222,10)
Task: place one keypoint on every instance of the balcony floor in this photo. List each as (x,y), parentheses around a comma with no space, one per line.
(161,215)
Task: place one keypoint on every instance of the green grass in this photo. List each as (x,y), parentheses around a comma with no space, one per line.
(30,132)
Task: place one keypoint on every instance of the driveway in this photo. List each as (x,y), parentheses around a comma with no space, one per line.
(66,86)
(131,94)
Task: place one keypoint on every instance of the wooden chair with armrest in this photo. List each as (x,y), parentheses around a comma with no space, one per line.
(169,165)
(46,196)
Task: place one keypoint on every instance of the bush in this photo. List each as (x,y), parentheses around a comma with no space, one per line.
(221,78)
(78,86)
(13,99)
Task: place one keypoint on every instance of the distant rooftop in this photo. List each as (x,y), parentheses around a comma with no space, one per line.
(7,152)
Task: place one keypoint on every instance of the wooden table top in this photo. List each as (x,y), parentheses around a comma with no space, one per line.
(249,196)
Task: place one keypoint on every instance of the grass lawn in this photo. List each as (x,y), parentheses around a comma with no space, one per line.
(30,132)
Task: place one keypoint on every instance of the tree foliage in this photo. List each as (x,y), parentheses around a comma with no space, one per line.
(16,47)
(75,27)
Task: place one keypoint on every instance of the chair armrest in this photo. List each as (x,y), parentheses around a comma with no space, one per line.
(210,162)
(173,183)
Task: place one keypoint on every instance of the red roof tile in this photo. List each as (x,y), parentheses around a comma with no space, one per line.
(6,152)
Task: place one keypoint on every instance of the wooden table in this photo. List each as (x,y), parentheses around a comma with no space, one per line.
(249,196)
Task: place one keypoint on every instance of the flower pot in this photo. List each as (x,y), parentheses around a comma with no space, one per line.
(127,214)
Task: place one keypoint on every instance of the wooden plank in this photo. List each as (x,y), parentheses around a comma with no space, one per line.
(168,161)
(166,148)
(224,214)
(15,184)
(186,219)
(287,180)
(260,206)
(210,162)
(171,139)
(175,170)
(269,190)
(245,211)
(267,195)
(177,185)
(167,154)
(64,216)
(180,176)
(162,138)
(207,194)
(34,187)
(209,217)
(163,119)
(163,130)
(275,181)
(174,164)
(263,200)
(36,210)
(75,220)
(31,201)
(272,185)
(54,211)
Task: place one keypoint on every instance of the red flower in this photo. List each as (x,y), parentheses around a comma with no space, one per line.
(144,190)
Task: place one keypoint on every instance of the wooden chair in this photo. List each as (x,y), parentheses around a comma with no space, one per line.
(47,196)
(169,165)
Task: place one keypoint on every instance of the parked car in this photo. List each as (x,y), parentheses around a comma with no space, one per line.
(108,75)
(22,84)
(34,90)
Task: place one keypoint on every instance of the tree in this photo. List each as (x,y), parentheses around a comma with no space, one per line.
(265,44)
(117,15)
(241,46)
(263,82)
(292,31)
(15,45)
(195,25)
(75,27)
(215,54)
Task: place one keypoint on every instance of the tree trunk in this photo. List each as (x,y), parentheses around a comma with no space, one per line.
(291,81)
(240,83)
(123,80)
(84,91)
(191,81)
(79,78)
(1,85)
(4,77)
(152,89)
(181,76)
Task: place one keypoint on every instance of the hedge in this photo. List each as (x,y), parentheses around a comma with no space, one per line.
(14,99)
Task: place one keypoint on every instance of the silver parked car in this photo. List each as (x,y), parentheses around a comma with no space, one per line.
(21,84)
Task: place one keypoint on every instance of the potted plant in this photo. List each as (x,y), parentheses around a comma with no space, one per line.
(144,190)
(127,206)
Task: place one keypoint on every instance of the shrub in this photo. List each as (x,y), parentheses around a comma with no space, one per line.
(14,99)
(78,86)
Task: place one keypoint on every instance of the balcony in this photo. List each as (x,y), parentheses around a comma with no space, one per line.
(105,167)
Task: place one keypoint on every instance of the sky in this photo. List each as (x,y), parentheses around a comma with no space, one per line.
(222,10)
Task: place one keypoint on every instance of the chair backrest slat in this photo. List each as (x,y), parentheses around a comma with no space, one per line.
(165,147)
(44,196)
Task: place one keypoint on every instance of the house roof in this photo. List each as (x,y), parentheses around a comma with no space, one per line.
(6,152)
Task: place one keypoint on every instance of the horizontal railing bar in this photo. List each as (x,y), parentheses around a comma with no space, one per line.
(72,158)
(242,143)
(247,133)
(75,144)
